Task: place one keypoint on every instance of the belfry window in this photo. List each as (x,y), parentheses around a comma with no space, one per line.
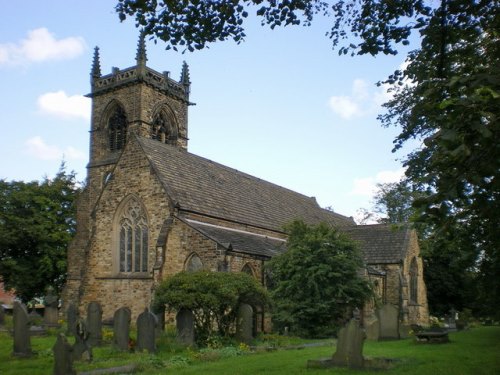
(133,239)
(117,128)
(159,128)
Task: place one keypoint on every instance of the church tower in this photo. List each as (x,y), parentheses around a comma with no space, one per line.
(136,100)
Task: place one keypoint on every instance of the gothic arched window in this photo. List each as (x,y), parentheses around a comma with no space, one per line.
(117,129)
(247,269)
(133,238)
(194,263)
(414,281)
(162,129)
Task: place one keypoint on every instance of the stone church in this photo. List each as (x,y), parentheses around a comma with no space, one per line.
(150,208)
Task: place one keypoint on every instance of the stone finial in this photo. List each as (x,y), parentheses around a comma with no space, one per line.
(141,57)
(96,64)
(185,74)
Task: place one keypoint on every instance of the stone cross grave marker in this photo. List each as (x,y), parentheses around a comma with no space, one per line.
(146,331)
(50,312)
(244,323)
(94,323)
(121,328)
(63,358)
(350,341)
(22,340)
(185,327)
(388,318)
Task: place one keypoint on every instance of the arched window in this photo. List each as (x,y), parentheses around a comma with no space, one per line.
(247,269)
(133,238)
(414,281)
(194,263)
(117,129)
(162,128)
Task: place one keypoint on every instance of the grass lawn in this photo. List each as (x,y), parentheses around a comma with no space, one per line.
(476,351)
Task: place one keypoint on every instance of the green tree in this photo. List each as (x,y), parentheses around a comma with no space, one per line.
(213,297)
(316,282)
(37,221)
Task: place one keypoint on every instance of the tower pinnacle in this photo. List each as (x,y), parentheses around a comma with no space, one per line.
(96,64)
(141,57)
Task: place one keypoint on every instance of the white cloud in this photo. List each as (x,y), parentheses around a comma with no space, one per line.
(367,186)
(37,147)
(344,106)
(61,105)
(41,45)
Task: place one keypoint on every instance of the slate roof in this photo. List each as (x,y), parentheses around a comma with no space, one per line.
(381,243)
(200,185)
(240,241)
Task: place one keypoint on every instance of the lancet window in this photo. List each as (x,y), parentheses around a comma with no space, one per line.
(194,263)
(414,281)
(117,128)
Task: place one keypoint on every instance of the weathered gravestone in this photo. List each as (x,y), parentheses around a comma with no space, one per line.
(72,316)
(388,318)
(94,323)
(22,341)
(50,313)
(81,349)
(121,328)
(146,331)
(185,327)
(2,315)
(244,323)
(372,327)
(349,351)
(63,358)
(452,321)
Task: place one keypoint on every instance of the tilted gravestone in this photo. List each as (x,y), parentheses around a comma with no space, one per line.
(146,331)
(50,312)
(81,349)
(185,327)
(72,318)
(121,328)
(244,323)
(350,341)
(22,341)
(94,323)
(388,318)
(63,358)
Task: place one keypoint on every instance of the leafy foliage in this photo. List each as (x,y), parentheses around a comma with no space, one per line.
(316,281)
(213,297)
(37,221)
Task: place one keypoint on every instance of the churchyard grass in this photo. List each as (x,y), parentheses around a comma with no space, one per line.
(470,352)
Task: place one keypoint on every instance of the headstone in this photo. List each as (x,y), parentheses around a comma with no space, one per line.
(350,341)
(244,323)
(2,315)
(22,342)
(388,318)
(63,358)
(452,322)
(146,331)
(94,323)
(121,328)
(371,325)
(51,313)
(185,327)
(72,318)
(81,349)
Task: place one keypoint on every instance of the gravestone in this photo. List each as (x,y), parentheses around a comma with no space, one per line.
(244,323)
(63,358)
(350,341)
(81,349)
(185,327)
(94,323)
(388,318)
(72,318)
(121,328)
(372,326)
(22,341)
(2,315)
(50,313)
(452,321)
(146,331)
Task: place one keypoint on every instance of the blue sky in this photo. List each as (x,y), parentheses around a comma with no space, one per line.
(281,106)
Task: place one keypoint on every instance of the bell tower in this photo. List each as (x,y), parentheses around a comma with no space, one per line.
(136,100)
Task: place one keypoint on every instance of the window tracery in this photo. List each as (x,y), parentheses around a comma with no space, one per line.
(133,238)
(117,129)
